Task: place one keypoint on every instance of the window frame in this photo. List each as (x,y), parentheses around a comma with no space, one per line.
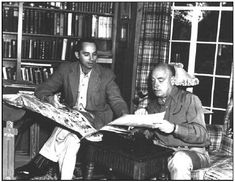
(193,42)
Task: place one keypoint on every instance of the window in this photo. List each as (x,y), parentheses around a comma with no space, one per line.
(202,39)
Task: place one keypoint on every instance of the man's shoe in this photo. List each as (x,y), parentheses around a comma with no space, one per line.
(28,171)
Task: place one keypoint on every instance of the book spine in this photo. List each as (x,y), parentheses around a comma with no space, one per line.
(45,74)
(101,28)
(10,73)
(30,49)
(31,21)
(23,73)
(61,31)
(4,72)
(13,47)
(57,24)
(31,77)
(27,73)
(69,26)
(15,19)
(26,20)
(10,20)
(109,28)
(94,32)
(36,20)
(80,26)
(64,49)
(9,50)
(5,19)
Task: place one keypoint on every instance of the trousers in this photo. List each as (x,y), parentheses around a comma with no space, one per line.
(182,162)
(62,147)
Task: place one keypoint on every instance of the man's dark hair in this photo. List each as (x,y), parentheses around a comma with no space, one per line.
(166,66)
(78,46)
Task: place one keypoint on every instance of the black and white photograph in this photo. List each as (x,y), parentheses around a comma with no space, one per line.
(117,90)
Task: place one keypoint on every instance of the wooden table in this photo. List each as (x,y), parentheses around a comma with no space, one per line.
(132,160)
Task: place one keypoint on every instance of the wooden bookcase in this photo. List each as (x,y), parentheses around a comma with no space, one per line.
(38,36)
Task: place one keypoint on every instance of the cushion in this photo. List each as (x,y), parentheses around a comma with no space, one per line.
(226,145)
(183,78)
(221,165)
(215,134)
(221,170)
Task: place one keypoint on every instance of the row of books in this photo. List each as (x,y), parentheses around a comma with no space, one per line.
(32,74)
(101,27)
(94,7)
(36,75)
(54,49)
(9,73)
(66,24)
(9,48)
(10,19)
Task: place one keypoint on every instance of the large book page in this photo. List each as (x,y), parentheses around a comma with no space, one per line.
(69,118)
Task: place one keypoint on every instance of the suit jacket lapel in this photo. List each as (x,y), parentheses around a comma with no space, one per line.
(74,78)
(93,83)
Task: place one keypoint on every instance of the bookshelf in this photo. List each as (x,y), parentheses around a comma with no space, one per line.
(38,36)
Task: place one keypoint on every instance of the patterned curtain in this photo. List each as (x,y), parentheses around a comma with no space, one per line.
(154,42)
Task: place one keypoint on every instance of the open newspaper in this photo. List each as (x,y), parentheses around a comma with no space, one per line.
(131,121)
(76,120)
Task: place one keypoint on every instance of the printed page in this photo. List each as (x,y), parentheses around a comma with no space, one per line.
(132,120)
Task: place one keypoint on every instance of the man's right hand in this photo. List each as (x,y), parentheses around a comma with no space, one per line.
(54,100)
(141,111)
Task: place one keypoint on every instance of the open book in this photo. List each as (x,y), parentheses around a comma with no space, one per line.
(76,120)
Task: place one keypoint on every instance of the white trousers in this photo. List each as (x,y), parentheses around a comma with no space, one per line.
(62,147)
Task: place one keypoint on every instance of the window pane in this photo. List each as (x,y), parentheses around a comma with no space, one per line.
(199,3)
(218,117)
(180,53)
(221,92)
(207,27)
(226,28)
(205,58)
(203,90)
(212,3)
(227,4)
(224,60)
(184,3)
(181,27)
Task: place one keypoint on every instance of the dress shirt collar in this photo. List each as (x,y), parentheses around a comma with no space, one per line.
(83,74)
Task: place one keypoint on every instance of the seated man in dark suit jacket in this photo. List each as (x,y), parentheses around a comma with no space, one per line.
(87,87)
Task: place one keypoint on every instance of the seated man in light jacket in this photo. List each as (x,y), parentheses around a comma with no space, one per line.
(87,87)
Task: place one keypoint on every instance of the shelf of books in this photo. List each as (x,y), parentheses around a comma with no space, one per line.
(49,33)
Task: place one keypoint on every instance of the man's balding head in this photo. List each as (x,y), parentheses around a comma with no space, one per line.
(162,79)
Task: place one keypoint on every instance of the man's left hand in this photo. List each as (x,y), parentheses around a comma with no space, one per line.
(164,126)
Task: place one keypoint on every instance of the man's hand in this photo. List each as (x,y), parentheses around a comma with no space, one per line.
(54,100)
(164,126)
(141,111)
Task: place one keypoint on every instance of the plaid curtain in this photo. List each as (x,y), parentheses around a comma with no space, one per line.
(154,42)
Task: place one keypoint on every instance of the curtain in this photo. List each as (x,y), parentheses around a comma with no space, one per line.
(154,43)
